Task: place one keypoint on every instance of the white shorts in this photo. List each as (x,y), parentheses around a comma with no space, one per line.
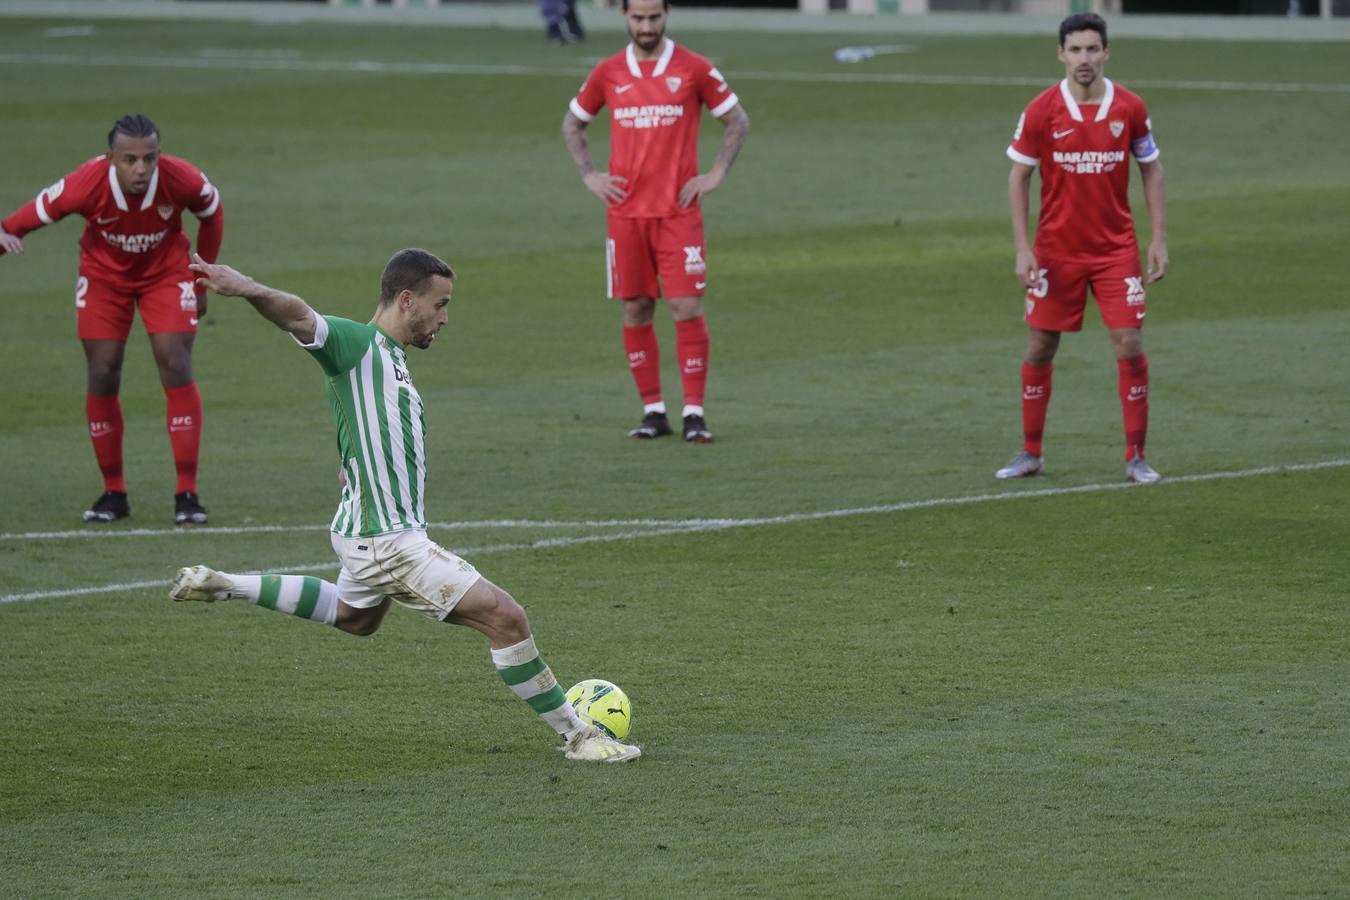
(405,565)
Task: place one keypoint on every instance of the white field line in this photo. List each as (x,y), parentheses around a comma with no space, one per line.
(98,531)
(694,526)
(381,67)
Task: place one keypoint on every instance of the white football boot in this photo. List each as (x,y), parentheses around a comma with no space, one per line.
(1023,465)
(200,583)
(589,744)
(1140,472)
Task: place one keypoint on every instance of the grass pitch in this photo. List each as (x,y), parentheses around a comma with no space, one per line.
(1090,692)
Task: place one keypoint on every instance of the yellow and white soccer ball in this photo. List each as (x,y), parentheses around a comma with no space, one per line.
(604,705)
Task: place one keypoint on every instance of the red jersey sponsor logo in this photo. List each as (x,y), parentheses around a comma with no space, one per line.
(1083,153)
(134,243)
(129,239)
(656,107)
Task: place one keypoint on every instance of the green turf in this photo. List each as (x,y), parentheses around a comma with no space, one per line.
(1107,693)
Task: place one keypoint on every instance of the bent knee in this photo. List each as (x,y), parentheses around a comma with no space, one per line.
(511,614)
(509,618)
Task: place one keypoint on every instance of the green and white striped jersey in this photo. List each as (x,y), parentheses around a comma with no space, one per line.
(380,430)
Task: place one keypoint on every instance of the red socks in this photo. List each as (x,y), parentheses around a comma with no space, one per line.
(1133,385)
(691,345)
(644,358)
(1035,403)
(105,430)
(1134,403)
(184,421)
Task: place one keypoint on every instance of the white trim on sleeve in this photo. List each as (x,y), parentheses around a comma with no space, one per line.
(725,106)
(215,205)
(1021,157)
(320,333)
(41,205)
(580,113)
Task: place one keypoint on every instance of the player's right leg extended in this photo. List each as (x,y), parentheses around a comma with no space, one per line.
(302,596)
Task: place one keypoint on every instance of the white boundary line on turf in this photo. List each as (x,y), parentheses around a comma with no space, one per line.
(380,67)
(695,526)
(100,531)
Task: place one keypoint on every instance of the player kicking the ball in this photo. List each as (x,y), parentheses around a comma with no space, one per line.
(1082,133)
(379,531)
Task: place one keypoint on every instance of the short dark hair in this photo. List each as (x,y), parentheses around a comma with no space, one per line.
(1082,22)
(408,270)
(665,4)
(133,125)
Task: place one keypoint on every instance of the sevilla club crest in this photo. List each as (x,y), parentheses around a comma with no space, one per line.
(165,210)
(673,84)
(1117,128)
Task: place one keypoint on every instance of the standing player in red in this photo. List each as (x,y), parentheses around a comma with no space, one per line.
(656,92)
(134,255)
(1082,133)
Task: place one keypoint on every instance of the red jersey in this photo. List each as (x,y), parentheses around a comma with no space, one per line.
(1084,153)
(655,108)
(129,240)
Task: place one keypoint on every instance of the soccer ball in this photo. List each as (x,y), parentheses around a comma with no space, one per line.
(602,704)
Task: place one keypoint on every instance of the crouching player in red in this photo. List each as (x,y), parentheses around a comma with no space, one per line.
(1082,133)
(134,255)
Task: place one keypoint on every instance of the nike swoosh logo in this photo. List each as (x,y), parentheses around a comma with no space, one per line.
(192,321)
(622,88)
(107,221)
(1138,315)
(700,285)
(1059,134)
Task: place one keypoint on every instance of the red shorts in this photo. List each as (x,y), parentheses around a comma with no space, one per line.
(1057,301)
(637,251)
(104,308)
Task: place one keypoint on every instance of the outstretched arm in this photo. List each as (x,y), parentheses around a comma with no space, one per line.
(735,128)
(1155,197)
(607,187)
(12,229)
(286,311)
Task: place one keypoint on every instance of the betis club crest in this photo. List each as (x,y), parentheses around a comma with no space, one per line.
(1117,128)
(673,84)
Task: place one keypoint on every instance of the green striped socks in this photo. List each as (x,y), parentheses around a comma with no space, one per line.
(530,679)
(303,596)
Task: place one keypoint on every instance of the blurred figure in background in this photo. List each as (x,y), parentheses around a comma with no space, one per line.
(560,21)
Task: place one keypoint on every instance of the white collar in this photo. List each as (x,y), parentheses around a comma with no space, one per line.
(661,63)
(1072,104)
(121,198)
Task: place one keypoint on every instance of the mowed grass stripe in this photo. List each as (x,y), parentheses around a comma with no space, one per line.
(384,67)
(697,526)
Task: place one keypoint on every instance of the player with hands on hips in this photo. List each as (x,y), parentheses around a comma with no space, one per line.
(652,191)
